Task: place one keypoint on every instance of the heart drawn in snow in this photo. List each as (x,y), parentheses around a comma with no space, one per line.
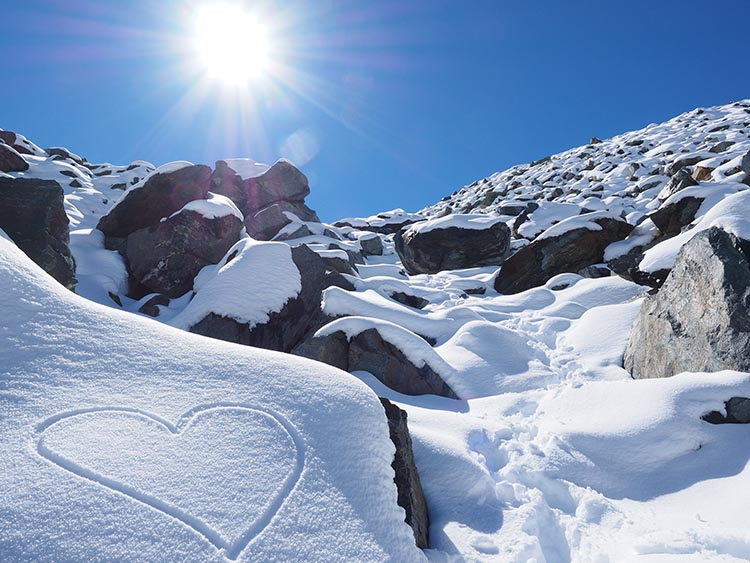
(223,470)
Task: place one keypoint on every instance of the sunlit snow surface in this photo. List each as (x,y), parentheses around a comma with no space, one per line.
(553,454)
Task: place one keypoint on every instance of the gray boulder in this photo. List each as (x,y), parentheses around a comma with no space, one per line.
(371,245)
(737,412)
(671,218)
(700,318)
(32,214)
(369,351)
(571,251)
(160,196)
(266,223)
(11,161)
(286,328)
(409,487)
(452,248)
(166,257)
(682,179)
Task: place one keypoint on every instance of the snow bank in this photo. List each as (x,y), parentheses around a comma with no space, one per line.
(246,168)
(215,206)
(124,439)
(253,280)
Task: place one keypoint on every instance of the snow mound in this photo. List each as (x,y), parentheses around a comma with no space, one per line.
(125,439)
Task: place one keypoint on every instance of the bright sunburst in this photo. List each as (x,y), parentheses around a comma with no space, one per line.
(232,45)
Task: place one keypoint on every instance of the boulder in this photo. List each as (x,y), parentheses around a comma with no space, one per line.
(32,214)
(281,182)
(700,318)
(682,179)
(737,412)
(369,351)
(266,223)
(672,217)
(702,173)
(453,242)
(409,487)
(286,328)
(571,251)
(371,245)
(11,161)
(745,163)
(166,257)
(161,194)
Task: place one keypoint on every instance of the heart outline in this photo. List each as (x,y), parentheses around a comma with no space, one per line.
(232,550)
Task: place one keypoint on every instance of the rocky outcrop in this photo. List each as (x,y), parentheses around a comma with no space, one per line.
(33,215)
(449,246)
(166,257)
(161,195)
(369,351)
(410,494)
(700,318)
(286,328)
(571,251)
(11,161)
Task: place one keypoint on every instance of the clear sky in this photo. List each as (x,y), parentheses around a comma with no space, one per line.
(382,104)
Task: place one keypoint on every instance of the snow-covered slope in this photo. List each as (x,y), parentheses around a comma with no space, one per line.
(125,439)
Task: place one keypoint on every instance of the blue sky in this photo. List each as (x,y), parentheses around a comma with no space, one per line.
(387,103)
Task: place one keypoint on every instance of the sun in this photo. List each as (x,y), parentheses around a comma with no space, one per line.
(231,44)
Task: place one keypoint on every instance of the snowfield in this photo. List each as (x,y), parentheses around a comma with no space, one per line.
(126,438)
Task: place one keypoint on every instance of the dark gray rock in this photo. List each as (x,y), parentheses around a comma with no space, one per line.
(267,222)
(745,163)
(160,196)
(453,248)
(409,300)
(700,318)
(409,487)
(32,214)
(682,163)
(571,252)
(282,182)
(670,219)
(166,257)
(286,328)
(737,412)
(721,147)
(371,246)
(369,351)
(682,179)
(151,306)
(65,154)
(11,161)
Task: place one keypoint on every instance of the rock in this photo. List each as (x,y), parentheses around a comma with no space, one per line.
(449,246)
(737,412)
(166,257)
(371,246)
(286,328)
(700,318)
(595,271)
(369,351)
(721,147)
(681,163)
(11,161)
(745,163)
(410,494)
(409,300)
(282,182)
(671,218)
(294,232)
(151,306)
(32,214)
(267,222)
(161,195)
(571,251)
(594,141)
(681,180)
(701,173)
(65,154)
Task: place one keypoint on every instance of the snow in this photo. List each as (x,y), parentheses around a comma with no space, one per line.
(215,206)
(253,280)
(585,221)
(470,222)
(246,168)
(124,439)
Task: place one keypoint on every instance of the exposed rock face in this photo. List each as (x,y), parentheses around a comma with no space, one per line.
(33,215)
(285,328)
(410,494)
(160,196)
(453,248)
(737,412)
(572,251)
(11,161)
(371,246)
(682,179)
(267,222)
(166,257)
(670,219)
(369,351)
(700,318)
